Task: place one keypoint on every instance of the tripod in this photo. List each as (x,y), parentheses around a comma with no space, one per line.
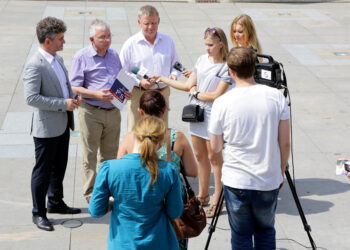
(307,227)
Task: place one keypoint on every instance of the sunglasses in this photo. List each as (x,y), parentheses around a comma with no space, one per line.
(212,32)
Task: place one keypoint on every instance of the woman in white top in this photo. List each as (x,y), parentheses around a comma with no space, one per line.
(208,81)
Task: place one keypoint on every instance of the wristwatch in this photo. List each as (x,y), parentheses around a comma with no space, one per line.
(195,94)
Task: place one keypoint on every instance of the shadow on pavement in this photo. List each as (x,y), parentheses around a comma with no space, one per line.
(310,187)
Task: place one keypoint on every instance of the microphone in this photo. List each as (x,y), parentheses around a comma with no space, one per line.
(178,66)
(140,73)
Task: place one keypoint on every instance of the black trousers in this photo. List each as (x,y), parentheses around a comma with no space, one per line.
(51,156)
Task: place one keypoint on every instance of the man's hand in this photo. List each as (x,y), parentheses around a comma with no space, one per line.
(281,185)
(78,99)
(104,95)
(72,104)
(172,77)
(146,84)
(128,95)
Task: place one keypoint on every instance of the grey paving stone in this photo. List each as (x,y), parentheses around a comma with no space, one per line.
(301,36)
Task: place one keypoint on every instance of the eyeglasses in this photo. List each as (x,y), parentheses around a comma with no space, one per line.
(212,32)
(104,38)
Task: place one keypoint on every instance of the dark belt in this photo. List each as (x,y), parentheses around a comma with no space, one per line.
(99,107)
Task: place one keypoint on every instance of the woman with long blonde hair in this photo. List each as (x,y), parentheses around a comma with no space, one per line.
(153,103)
(208,81)
(243,33)
(146,193)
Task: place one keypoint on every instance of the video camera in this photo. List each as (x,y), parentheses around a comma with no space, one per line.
(270,73)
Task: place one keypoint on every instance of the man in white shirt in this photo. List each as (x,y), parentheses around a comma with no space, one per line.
(251,124)
(150,50)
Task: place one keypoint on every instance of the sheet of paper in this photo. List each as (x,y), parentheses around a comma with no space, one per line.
(340,168)
(122,83)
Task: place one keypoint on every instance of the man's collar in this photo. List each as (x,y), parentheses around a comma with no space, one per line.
(140,37)
(92,52)
(46,55)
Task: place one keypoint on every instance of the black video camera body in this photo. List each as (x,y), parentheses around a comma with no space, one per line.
(270,73)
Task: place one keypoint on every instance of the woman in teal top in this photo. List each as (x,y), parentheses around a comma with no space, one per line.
(153,103)
(146,193)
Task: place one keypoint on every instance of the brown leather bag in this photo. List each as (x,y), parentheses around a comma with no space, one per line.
(193,219)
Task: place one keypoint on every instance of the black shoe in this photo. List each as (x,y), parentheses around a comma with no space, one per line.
(63,209)
(42,223)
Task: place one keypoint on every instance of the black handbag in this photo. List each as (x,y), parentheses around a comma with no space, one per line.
(193,219)
(193,113)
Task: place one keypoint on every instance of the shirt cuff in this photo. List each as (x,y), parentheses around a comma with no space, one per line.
(176,73)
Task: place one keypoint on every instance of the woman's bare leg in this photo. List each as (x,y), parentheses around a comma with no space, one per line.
(201,152)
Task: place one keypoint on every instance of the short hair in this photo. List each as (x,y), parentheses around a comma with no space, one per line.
(248,30)
(153,103)
(150,132)
(147,10)
(218,35)
(98,24)
(49,27)
(242,60)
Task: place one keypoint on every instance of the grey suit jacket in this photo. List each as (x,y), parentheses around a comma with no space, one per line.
(43,92)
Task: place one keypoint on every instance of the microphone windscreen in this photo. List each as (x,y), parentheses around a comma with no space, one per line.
(135,70)
(178,66)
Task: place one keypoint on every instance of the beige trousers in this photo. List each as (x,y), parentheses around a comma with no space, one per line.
(134,103)
(100,131)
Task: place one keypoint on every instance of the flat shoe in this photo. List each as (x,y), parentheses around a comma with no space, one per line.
(42,223)
(204,200)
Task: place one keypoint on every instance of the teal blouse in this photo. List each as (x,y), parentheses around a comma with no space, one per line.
(140,215)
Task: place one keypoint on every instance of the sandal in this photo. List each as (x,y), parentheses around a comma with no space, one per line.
(211,211)
(204,200)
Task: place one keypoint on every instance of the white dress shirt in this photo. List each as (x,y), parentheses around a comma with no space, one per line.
(56,66)
(157,59)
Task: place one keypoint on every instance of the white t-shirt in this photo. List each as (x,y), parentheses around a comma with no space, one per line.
(248,118)
(209,75)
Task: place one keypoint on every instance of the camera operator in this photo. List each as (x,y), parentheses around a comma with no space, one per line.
(251,124)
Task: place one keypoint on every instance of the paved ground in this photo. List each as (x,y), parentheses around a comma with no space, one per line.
(306,37)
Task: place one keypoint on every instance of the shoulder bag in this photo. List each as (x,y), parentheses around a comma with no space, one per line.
(195,112)
(193,220)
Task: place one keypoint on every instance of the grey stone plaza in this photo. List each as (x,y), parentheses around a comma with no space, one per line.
(312,40)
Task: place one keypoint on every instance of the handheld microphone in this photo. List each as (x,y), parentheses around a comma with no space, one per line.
(140,73)
(178,66)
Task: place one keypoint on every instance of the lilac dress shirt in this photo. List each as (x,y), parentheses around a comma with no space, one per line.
(95,72)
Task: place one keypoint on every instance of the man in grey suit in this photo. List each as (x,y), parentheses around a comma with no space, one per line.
(48,91)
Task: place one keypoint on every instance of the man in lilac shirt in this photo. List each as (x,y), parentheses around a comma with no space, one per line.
(93,71)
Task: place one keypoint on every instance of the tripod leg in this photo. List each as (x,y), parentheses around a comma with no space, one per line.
(214,221)
(300,209)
